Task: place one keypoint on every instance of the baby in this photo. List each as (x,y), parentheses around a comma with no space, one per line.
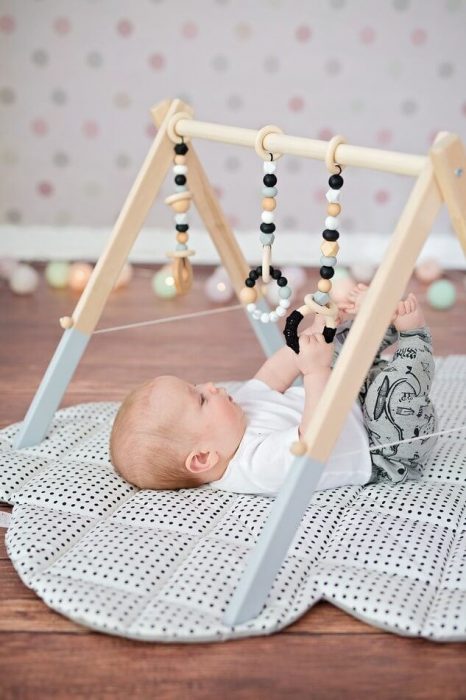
(170,434)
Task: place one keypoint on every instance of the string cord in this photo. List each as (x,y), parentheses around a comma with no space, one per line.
(170,318)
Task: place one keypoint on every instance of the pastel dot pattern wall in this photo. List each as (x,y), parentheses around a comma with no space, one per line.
(78,80)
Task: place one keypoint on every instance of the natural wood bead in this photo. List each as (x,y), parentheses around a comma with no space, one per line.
(248,295)
(66,322)
(324,285)
(330,248)
(333,209)
(298,448)
(180,160)
(181,205)
(182,237)
(268,204)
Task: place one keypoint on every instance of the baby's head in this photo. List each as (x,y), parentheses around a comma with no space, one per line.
(169,434)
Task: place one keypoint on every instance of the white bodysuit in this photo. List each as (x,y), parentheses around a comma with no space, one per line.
(263,458)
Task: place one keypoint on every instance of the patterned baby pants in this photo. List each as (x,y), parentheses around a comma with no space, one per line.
(395,403)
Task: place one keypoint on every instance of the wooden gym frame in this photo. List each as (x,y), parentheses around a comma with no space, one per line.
(440,177)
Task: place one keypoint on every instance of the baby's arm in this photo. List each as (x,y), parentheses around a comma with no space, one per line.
(280,370)
(314,361)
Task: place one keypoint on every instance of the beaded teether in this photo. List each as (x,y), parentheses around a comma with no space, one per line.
(248,294)
(180,203)
(320,302)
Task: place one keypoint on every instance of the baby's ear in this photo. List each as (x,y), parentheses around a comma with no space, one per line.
(197,462)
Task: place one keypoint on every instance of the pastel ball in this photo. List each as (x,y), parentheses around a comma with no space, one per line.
(79,276)
(7,265)
(441,294)
(218,288)
(24,279)
(296,276)
(339,273)
(125,276)
(57,274)
(428,270)
(363,271)
(163,284)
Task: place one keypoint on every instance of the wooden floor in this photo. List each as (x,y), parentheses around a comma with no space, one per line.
(326,654)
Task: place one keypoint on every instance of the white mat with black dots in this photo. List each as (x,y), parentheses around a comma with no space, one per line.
(161,566)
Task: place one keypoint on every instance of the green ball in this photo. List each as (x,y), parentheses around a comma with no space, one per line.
(56,274)
(441,294)
(340,272)
(163,284)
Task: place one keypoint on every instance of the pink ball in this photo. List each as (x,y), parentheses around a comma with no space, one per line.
(124,277)
(428,270)
(218,287)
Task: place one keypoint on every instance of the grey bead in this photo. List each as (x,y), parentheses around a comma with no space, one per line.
(181,188)
(267,238)
(284,292)
(321,298)
(181,246)
(269,191)
(328,260)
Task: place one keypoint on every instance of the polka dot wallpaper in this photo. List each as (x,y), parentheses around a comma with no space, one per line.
(78,80)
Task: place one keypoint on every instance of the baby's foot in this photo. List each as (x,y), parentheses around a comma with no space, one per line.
(408,314)
(350,305)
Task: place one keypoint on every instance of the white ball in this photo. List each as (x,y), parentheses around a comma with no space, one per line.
(363,270)
(280,311)
(273,316)
(24,279)
(265,318)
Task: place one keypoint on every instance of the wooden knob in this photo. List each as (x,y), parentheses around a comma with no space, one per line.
(248,295)
(298,448)
(333,209)
(66,322)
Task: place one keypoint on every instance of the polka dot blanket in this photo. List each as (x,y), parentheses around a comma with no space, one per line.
(162,565)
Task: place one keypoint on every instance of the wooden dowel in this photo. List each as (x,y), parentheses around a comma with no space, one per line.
(345,154)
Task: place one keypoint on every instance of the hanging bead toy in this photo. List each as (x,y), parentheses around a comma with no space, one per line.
(248,294)
(180,203)
(320,302)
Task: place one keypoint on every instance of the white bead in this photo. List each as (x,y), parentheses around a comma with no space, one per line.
(180,169)
(285,303)
(331,222)
(267,217)
(251,308)
(333,195)
(256,314)
(181,218)
(269,167)
(265,318)
(273,316)
(280,311)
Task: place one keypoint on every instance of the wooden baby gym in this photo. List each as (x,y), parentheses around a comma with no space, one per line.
(440,176)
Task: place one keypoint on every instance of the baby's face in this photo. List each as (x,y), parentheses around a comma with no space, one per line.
(204,410)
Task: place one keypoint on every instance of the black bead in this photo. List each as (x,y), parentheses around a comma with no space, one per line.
(267,228)
(253,274)
(180,179)
(249,282)
(335,182)
(329,334)
(181,149)
(282,282)
(269,180)
(275,274)
(182,227)
(330,235)
(326,272)
(259,270)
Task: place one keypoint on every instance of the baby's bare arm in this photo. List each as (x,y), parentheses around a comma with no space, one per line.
(280,370)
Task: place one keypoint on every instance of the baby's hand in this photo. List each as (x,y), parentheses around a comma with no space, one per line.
(314,353)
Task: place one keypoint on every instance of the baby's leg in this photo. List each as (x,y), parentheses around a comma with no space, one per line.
(397,406)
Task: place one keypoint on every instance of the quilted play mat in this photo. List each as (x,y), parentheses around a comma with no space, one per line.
(162,565)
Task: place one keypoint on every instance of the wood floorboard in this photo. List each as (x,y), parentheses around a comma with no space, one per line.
(324,654)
